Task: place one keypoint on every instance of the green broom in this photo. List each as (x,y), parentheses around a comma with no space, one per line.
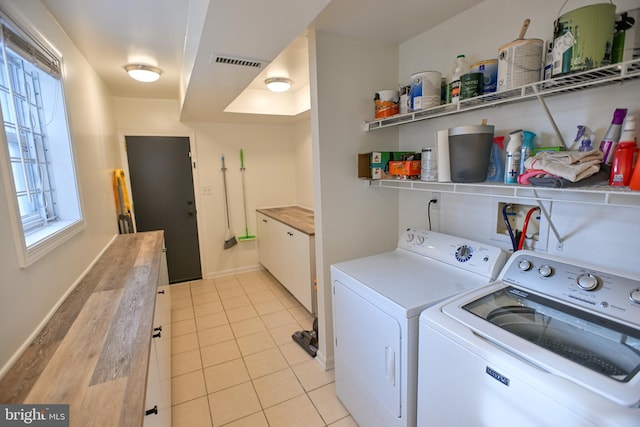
(246,236)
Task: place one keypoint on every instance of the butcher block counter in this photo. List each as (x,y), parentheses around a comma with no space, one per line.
(93,353)
(294,216)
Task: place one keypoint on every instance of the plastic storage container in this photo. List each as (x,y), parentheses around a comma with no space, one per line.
(469,152)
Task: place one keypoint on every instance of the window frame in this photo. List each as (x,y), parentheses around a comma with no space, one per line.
(35,245)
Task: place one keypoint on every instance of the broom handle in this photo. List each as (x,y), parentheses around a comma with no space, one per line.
(244,195)
(226,201)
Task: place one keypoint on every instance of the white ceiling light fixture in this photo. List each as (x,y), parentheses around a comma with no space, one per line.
(143,73)
(278,84)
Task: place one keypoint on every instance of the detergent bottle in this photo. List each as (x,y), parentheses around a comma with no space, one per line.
(625,155)
(512,161)
(496,162)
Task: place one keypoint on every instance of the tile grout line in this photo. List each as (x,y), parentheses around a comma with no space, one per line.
(290,311)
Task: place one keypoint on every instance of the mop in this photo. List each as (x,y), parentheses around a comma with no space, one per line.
(229,238)
(246,236)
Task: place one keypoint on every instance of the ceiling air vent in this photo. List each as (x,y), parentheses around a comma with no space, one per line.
(243,62)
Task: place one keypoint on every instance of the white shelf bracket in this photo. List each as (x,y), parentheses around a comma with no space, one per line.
(549,116)
(548,218)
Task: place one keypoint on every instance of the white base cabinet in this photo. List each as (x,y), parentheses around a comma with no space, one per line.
(158,398)
(289,255)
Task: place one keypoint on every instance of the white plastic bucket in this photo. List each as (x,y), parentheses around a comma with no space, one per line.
(519,63)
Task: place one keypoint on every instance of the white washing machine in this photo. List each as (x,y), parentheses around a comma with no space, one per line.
(377,301)
(551,343)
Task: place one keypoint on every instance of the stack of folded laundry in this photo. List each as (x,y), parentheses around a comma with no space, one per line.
(563,168)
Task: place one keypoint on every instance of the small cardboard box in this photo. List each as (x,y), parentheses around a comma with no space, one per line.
(405,168)
(375,165)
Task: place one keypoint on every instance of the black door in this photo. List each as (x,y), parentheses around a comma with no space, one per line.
(163,199)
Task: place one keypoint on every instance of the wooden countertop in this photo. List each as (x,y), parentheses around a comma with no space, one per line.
(93,353)
(294,216)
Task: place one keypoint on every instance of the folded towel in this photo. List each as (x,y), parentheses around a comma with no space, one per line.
(600,178)
(570,165)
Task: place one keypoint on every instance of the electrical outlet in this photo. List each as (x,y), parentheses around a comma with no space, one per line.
(206,190)
(436,205)
(537,230)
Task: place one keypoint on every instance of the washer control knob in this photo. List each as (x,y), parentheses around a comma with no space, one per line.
(635,296)
(420,240)
(588,281)
(464,253)
(524,265)
(410,237)
(545,271)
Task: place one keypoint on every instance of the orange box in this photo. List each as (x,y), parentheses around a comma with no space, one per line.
(405,168)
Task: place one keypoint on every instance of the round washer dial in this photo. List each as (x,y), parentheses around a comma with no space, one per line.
(587,281)
(464,253)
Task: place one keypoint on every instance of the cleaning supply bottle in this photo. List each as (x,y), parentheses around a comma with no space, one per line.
(512,162)
(625,155)
(458,68)
(495,172)
(585,144)
(527,148)
(611,138)
(575,145)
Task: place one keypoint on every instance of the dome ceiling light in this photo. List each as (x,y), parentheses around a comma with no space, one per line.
(278,84)
(143,73)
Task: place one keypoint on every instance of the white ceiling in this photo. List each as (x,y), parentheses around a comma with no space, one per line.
(182,37)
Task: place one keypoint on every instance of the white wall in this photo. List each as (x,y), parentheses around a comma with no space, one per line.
(277,173)
(303,164)
(594,233)
(30,294)
(352,219)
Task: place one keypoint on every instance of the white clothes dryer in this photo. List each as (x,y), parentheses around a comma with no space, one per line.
(377,301)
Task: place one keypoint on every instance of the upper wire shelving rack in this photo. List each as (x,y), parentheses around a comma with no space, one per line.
(596,77)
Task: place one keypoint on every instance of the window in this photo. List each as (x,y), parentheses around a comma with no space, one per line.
(39,165)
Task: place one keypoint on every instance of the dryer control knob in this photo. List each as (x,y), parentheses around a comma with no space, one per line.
(464,253)
(524,265)
(545,270)
(410,237)
(420,240)
(635,296)
(587,281)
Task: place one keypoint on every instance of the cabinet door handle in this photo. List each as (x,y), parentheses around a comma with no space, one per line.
(161,292)
(264,220)
(289,233)
(158,335)
(159,328)
(152,411)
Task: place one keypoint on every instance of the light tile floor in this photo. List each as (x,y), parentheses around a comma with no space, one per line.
(234,363)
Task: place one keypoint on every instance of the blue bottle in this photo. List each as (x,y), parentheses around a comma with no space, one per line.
(496,162)
(527,148)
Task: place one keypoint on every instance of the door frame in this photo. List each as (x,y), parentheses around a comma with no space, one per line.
(122,134)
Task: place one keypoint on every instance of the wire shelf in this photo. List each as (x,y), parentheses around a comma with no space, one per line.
(597,77)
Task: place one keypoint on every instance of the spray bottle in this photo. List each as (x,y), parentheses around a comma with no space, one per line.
(512,163)
(575,145)
(527,148)
(611,138)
